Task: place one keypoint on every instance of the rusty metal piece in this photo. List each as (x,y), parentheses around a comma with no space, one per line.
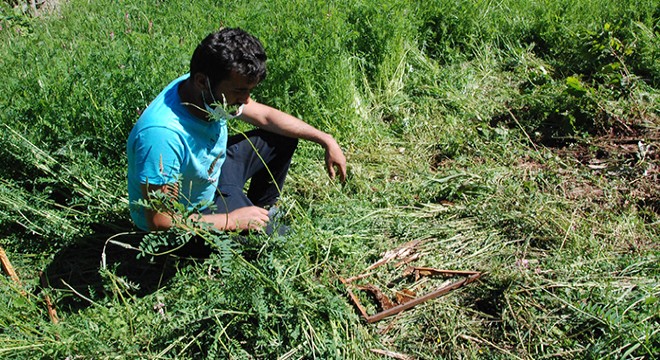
(432,295)
(405,305)
(357,303)
(383,300)
(405,296)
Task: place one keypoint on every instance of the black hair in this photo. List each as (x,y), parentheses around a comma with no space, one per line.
(226,50)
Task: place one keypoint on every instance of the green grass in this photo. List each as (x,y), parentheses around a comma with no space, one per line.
(516,138)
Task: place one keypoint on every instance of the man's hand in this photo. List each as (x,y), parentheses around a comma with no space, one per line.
(245,218)
(334,157)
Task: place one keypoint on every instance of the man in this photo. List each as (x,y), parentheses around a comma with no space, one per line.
(180,147)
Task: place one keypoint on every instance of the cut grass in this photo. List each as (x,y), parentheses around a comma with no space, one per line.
(439,109)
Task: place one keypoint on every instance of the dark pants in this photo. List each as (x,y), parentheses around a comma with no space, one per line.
(243,164)
(266,170)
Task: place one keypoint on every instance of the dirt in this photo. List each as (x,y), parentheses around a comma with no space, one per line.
(629,162)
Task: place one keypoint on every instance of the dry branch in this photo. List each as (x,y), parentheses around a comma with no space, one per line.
(392,354)
(52,313)
(9,270)
(402,252)
(6,266)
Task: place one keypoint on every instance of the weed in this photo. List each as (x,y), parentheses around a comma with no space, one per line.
(513,137)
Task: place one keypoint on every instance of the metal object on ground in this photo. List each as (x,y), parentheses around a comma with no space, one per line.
(405,299)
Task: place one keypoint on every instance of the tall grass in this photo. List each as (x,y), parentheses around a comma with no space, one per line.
(445,110)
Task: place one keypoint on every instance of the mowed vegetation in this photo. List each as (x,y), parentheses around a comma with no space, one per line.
(516,138)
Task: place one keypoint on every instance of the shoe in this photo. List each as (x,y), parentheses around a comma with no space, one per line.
(276,224)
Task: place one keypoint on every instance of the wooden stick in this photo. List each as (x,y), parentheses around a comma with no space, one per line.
(52,313)
(33,6)
(400,252)
(358,277)
(392,354)
(6,266)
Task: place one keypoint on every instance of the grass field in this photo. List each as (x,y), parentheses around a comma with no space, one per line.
(515,138)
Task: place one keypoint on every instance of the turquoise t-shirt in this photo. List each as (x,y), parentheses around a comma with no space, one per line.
(168,143)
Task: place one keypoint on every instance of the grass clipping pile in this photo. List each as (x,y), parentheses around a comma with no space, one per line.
(415,281)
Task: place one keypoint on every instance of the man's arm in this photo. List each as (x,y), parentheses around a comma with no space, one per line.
(245,218)
(281,123)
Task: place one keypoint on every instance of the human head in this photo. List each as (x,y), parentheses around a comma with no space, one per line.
(227,50)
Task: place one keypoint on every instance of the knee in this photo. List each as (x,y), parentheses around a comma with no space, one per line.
(286,144)
(290,143)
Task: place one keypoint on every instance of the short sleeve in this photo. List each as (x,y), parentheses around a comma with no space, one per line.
(158,156)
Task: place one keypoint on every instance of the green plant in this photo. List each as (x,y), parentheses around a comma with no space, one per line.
(513,137)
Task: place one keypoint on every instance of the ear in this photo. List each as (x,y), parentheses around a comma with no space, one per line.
(200,81)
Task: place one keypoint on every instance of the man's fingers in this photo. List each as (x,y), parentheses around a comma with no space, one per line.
(255,225)
(260,218)
(340,167)
(331,171)
(334,157)
(250,218)
(342,173)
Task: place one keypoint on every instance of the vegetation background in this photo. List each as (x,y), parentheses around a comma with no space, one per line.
(517,138)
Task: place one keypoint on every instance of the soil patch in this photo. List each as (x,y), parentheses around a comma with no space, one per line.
(629,162)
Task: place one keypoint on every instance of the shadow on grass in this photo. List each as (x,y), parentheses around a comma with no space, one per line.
(75,270)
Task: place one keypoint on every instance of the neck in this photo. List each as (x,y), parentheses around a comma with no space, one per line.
(192,99)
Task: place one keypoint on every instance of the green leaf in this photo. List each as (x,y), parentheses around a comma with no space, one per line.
(574,86)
